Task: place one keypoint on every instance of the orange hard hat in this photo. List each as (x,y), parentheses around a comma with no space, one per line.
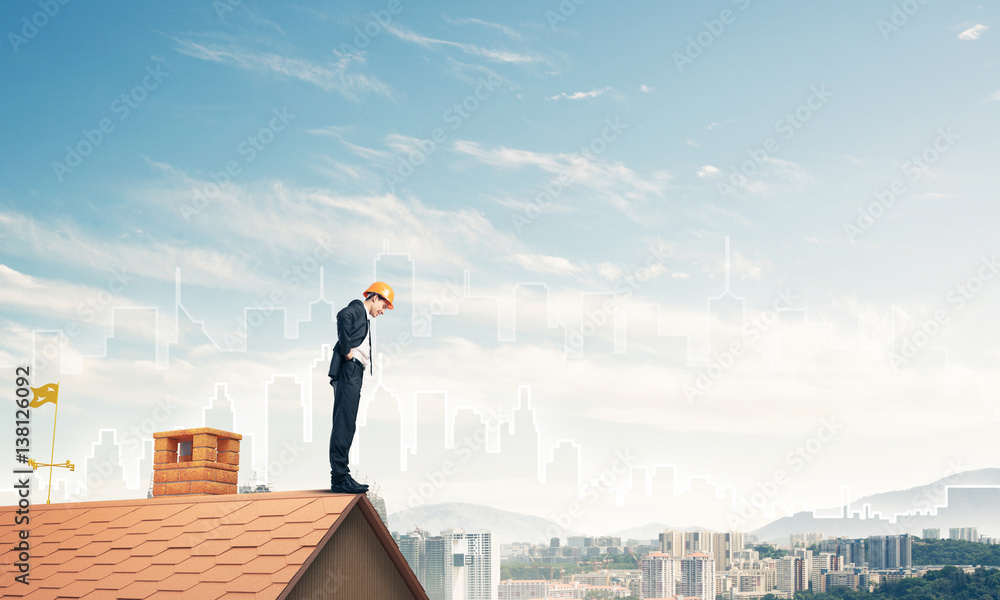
(382,289)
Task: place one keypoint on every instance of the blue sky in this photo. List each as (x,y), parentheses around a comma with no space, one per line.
(436,133)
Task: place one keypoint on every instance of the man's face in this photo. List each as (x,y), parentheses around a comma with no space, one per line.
(378,306)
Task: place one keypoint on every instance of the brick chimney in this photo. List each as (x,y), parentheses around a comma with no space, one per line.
(190,462)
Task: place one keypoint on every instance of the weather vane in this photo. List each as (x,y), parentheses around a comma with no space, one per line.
(43,395)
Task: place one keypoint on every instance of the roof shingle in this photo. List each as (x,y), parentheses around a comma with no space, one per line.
(232,546)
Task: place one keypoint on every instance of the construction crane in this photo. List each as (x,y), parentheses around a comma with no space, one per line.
(539,569)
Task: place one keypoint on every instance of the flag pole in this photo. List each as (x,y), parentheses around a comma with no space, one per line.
(48,499)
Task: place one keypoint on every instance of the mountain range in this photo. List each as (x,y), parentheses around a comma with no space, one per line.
(966,499)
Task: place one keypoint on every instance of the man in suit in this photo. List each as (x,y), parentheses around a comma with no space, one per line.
(352,354)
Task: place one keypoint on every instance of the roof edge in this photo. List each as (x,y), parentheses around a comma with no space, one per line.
(391,548)
(319,548)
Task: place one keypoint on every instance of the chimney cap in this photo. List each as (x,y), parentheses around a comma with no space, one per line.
(179,433)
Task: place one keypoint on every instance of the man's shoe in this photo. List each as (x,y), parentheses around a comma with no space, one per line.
(363,485)
(347,486)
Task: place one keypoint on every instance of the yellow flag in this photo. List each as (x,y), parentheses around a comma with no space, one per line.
(46,393)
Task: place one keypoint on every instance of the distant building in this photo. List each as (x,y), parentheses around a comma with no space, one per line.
(482,563)
(672,543)
(726,545)
(931,534)
(807,562)
(890,552)
(699,541)
(741,555)
(850,578)
(698,576)
(658,579)
(455,565)
(850,551)
(824,563)
(525,589)
(803,540)
(791,576)
(969,534)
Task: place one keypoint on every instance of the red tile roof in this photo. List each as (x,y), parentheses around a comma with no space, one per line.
(205,547)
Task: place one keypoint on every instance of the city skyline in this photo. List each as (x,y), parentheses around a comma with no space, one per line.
(724,259)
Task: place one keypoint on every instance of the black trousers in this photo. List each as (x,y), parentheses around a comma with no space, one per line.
(346,398)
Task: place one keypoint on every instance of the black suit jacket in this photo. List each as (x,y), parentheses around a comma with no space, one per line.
(352,327)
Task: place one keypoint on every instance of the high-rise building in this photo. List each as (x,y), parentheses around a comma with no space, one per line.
(931,534)
(443,567)
(807,562)
(969,534)
(454,565)
(482,564)
(889,551)
(726,545)
(698,576)
(849,551)
(658,580)
(672,543)
(821,565)
(699,541)
(791,576)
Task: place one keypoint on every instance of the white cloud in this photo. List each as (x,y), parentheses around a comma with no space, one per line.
(708,171)
(580,95)
(622,186)
(289,221)
(553,265)
(67,302)
(777,177)
(334,76)
(363,152)
(504,29)
(70,245)
(973,33)
(996,95)
(645,89)
(503,56)
(609,271)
